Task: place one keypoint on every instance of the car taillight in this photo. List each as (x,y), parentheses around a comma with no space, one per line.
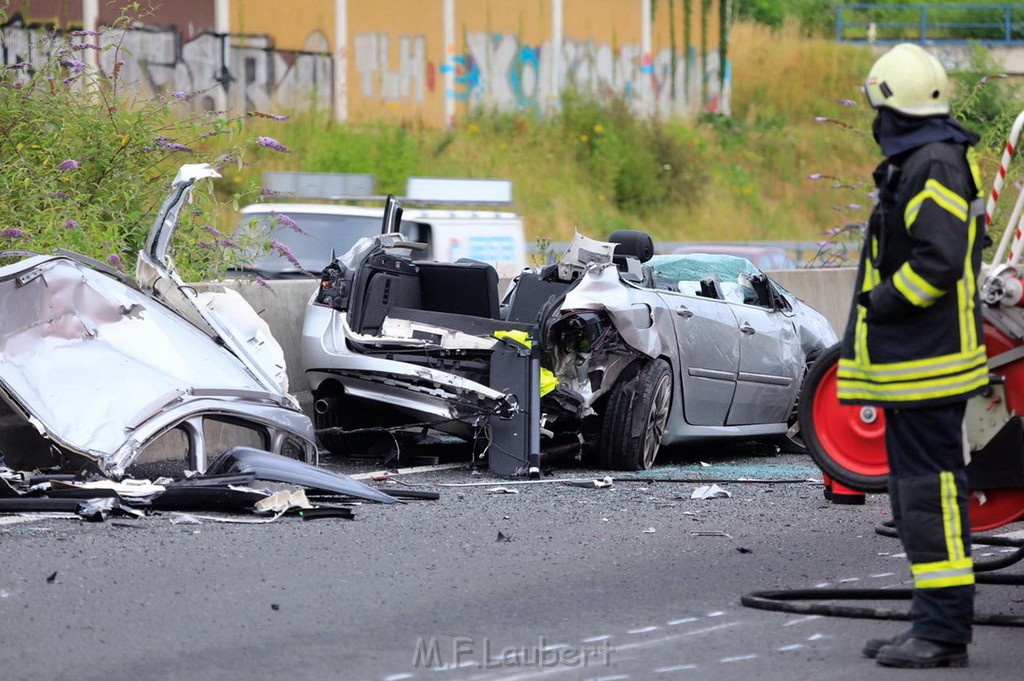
(335,287)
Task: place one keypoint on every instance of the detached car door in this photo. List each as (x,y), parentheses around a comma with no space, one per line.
(709,352)
(771,363)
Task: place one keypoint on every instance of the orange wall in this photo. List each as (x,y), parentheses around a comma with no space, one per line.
(292,25)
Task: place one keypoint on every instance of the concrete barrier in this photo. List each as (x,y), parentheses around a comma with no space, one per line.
(282,305)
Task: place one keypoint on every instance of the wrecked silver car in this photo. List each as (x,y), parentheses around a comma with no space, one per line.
(612,351)
(103,372)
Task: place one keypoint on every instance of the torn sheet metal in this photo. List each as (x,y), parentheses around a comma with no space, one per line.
(272,467)
(100,366)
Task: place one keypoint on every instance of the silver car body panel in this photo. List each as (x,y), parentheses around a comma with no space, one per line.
(102,368)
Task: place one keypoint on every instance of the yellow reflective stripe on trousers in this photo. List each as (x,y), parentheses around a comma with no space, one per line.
(958,569)
(943,573)
(943,197)
(914,287)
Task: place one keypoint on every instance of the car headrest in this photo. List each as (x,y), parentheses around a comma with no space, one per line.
(633,242)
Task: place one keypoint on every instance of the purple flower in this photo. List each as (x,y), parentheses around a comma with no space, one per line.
(273,117)
(206,245)
(267,193)
(815,176)
(853,206)
(210,229)
(287,222)
(847,102)
(60,195)
(81,32)
(179,95)
(114,260)
(226,243)
(13,233)
(272,144)
(174,146)
(70,224)
(286,253)
(68,164)
(69,80)
(76,65)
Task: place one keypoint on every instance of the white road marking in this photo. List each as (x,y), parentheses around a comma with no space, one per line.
(849,579)
(880,575)
(716,613)
(802,620)
(398,677)
(795,646)
(685,620)
(816,637)
(595,639)
(738,658)
(676,668)
(643,630)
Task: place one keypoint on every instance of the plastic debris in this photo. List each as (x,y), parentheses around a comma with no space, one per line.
(282,501)
(649,530)
(596,483)
(502,537)
(502,490)
(709,492)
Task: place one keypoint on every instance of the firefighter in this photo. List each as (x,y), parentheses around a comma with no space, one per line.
(913,344)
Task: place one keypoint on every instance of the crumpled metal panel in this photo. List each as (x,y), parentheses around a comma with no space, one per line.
(601,289)
(91,361)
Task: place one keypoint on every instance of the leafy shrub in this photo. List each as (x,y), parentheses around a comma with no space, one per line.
(85,162)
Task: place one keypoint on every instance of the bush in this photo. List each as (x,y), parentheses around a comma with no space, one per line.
(85,163)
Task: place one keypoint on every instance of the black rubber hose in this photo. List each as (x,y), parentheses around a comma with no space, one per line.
(794,601)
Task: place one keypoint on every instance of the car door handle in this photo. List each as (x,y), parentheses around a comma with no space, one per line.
(684,312)
(747,328)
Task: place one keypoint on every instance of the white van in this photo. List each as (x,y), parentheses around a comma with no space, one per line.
(478,233)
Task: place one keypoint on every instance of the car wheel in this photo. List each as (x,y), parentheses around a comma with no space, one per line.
(793,441)
(636,415)
(846,442)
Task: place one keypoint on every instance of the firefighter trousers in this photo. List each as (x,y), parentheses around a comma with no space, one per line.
(928,493)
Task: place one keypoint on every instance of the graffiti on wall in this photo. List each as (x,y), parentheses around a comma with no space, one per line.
(222,71)
(495,70)
(501,72)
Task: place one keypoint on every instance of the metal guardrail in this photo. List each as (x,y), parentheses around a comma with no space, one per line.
(802,252)
(934,24)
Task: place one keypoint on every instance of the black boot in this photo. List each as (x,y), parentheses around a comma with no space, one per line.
(921,653)
(873,645)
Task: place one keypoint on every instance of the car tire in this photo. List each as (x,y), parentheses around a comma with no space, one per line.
(635,418)
(794,443)
(846,442)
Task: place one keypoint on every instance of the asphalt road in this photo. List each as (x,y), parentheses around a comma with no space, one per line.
(633,582)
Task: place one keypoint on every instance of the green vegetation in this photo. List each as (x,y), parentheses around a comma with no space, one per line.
(85,165)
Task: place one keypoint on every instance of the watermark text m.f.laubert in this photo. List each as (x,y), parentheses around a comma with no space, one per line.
(481,653)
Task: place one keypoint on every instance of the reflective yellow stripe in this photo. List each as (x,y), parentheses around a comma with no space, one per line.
(951,517)
(965,292)
(972,162)
(931,367)
(943,197)
(943,573)
(914,288)
(911,391)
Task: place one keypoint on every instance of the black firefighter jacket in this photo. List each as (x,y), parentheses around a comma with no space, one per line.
(914,333)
